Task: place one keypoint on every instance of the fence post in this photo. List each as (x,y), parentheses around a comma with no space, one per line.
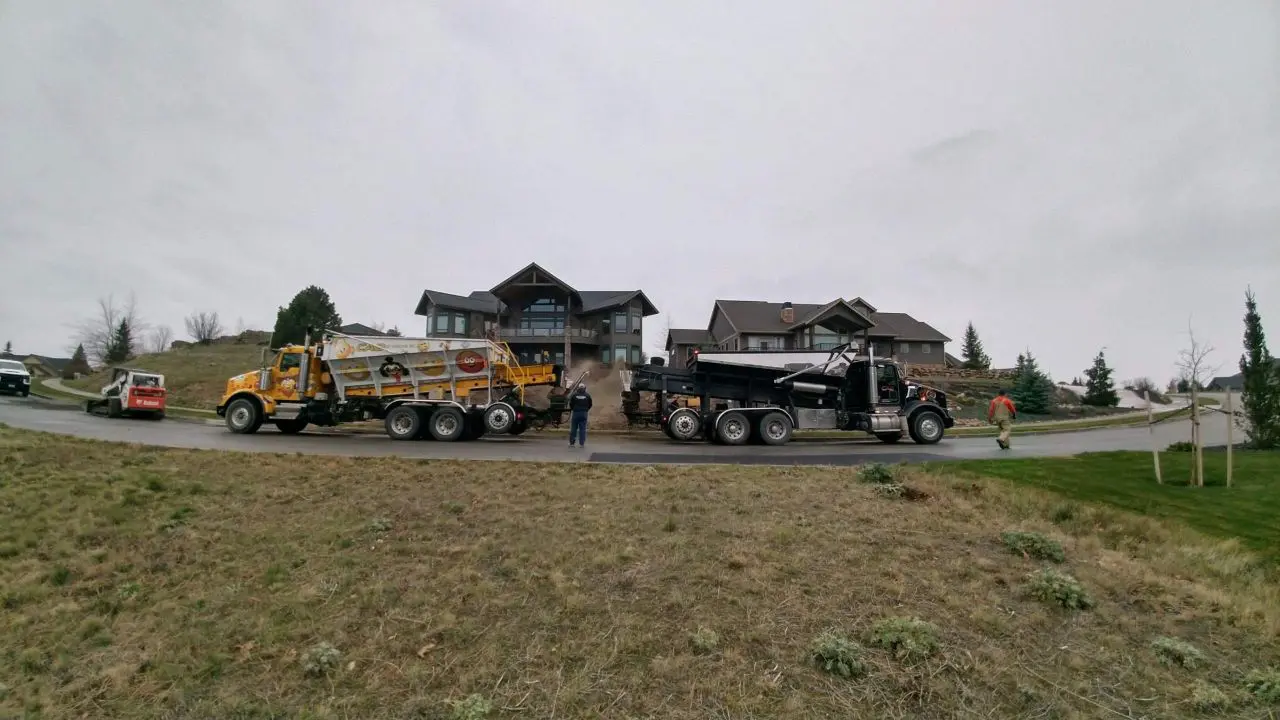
(1151,428)
(1197,466)
(1231,420)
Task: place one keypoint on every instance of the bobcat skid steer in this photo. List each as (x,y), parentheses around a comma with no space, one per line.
(131,393)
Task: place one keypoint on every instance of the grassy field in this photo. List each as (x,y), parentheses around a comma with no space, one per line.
(146,583)
(1249,510)
(195,376)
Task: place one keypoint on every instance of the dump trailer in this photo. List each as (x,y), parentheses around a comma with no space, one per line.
(763,396)
(442,388)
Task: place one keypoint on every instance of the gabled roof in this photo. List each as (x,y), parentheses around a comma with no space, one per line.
(593,300)
(485,301)
(358,329)
(836,307)
(473,303)
(760,316)
(688,336)
(56,363)
(535,268)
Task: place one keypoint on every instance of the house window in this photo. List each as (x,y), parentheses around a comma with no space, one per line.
(904,348)
(926,348)
(619,353)
(442,322)
(620,322)
(545,306)
(460,324)
(605,357)
(636,322)
(605,325)
(559,357)
(635,355)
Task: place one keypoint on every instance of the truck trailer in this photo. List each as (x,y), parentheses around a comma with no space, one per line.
(763,396)
(419,387)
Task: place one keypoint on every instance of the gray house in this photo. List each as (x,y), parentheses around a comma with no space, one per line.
(544,319)
(761,325)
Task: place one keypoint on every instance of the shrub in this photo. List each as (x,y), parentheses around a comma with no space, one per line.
(1208,699)
(320,660)
(1264,685)
(1172,651)
(838,655)
(473,707)
(1052,586)
(1181,446)
(1034,545)
(877,473)
(704,640)
(892,489)
(907,638)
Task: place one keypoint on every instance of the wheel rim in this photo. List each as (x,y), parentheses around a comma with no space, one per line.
(776,430)
(684,425)
(929,428)
(446,424)
(402,424)
(499,418)
(240,416)
(734,429)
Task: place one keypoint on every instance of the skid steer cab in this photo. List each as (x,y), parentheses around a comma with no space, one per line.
(131,393)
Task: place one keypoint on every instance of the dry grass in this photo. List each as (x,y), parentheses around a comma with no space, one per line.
(148,583)
(195,376)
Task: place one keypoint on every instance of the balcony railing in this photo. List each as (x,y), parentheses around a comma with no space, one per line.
(584,333)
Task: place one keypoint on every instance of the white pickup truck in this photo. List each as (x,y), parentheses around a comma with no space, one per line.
(14,378)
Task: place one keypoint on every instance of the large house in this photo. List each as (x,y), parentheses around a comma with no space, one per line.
(544,319)
(761,325)
(40,366)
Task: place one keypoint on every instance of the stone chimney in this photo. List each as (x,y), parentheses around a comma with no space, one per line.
(788,313)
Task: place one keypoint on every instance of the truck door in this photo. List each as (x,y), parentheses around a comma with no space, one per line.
(284,375)
(887,386)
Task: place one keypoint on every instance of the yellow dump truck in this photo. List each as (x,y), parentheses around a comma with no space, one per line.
(443,388)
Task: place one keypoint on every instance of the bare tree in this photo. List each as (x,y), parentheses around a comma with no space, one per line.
(1194,368)
(203,327)
(159,339)
(98,333)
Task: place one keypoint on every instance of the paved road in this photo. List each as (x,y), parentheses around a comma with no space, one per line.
(36,414)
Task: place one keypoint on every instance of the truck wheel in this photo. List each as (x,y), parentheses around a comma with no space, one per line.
(404,422)
(290,427)
(889,438)
(499,417)
(733,428)
(447,424)
(926,427)
(683,425)
(775,428)
(243,417)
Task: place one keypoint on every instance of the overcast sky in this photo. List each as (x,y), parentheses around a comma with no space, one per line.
(1067,175)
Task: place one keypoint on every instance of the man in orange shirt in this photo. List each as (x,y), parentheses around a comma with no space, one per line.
(1002,413)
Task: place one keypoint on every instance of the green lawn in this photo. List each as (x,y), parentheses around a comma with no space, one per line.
(1249,510)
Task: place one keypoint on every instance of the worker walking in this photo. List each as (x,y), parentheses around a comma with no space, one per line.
(579,406)
(1002,413)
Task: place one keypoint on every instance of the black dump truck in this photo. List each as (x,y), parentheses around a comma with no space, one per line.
(735,398)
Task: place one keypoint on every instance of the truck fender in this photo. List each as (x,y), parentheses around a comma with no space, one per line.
(222,409)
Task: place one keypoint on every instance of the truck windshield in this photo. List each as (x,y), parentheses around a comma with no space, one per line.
(13,365)
(146,381)
(289,361)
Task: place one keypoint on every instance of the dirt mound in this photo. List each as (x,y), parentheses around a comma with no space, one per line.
(605,385)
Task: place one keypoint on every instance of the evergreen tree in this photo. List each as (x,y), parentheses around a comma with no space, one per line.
(121,344)
(1100,390)
(8,347)
(79,364)
(1261,375)
(1032,390)
(974,357)
(310,308)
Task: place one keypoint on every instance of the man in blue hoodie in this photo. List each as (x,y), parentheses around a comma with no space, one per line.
(579,406)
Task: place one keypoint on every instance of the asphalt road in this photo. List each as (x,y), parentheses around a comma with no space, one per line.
(37,414)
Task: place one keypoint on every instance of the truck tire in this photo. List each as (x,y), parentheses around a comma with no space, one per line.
(447,424)
(926,427)
(243,416)
(683,425)
(499,418)
(114,409)
(889,438)
(733,428)
(775,428)
(404,422)
(519,427)
(290,427)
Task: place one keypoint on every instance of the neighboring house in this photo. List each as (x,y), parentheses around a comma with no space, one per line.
(761,325)
(544,319)
(1231,382)
(40,366)
(358,329)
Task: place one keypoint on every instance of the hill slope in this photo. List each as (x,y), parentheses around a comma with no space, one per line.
(195,376)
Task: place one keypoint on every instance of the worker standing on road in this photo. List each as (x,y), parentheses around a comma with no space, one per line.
(1002,413)
(579,406)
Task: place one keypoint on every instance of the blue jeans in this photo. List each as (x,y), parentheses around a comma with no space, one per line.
(578,427)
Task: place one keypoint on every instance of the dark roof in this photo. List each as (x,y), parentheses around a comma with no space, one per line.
(1233,382)
(56,363)
(358,329)
(688,336)
(759,316)
(484,301)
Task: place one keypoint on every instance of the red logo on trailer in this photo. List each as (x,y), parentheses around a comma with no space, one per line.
(470,361)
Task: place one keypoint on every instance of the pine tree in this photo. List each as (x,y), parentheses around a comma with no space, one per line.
(1100,390)
(121,345)
(8,347)
(974,357)
(79,364)
(1032,389)
(310,308)
(1261,375)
